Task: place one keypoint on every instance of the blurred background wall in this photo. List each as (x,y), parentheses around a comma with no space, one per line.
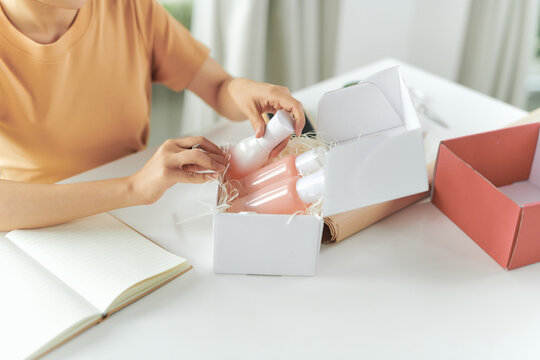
(488,45)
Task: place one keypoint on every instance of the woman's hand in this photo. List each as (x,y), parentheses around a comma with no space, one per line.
(240,99)
(177,160)
(27,205)
(255,98)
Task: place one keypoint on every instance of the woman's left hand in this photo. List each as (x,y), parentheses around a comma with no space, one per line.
(255,98)
(238,98)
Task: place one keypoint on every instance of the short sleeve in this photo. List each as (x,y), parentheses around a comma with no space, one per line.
(176,56)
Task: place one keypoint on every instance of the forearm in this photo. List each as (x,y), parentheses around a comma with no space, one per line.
(25,205)
(225,104)
(239,99)
(212,85)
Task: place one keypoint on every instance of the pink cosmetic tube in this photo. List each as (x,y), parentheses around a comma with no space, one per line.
(289,166)
(284,197)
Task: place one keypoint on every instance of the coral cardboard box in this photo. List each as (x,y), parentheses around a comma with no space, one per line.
(379,157)
(489,185)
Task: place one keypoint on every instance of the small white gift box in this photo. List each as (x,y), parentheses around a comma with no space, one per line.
(379,157)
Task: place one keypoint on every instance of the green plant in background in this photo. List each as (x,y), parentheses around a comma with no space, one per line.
(180,10)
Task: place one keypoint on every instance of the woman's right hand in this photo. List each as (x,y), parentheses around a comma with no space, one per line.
(26,205)
(177,160)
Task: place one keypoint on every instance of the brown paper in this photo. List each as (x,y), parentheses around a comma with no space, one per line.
(341,226)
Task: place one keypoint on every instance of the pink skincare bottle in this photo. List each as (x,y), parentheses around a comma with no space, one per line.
(252,153)
(285,197)
(289,166)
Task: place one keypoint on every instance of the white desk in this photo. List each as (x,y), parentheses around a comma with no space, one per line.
(412,286)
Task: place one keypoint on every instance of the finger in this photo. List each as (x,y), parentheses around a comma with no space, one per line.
(222,159)
(296,108)
(169,145)
(196,157)
(201,170)
(279,148)
(195,178)
(257,122)
(193,167)
(299,120)
(200,142)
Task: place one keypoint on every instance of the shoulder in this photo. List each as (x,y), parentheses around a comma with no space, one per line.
(126,8)
(138,15)
(139,6)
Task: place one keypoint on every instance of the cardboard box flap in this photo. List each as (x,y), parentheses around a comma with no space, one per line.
(379,103)
(355,111)
(381,151)
(389,82)
(409,113)
(393,86)
(380,172)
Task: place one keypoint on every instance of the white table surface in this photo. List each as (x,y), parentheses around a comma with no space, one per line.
(412,286)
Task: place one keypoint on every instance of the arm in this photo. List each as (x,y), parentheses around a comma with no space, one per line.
(239,99)
(25,205)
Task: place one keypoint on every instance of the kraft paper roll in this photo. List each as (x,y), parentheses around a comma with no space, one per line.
(340,226)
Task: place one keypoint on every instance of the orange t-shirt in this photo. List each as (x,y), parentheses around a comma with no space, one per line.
(84,100)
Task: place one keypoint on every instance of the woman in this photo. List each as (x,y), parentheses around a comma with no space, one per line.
(75,92)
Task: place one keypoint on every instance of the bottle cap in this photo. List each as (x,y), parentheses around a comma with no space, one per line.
(310,161)
(310,188)
(278,128)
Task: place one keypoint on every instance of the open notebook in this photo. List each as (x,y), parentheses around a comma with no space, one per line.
(59,281)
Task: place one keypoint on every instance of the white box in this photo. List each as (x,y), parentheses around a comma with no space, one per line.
(379,157)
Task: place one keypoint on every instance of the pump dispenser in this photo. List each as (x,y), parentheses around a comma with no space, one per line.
(284,197)
(288,166)
(251,153)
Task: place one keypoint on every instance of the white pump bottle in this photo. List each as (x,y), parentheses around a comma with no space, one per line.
(252,153)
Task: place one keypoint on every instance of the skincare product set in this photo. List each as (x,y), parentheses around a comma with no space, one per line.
(285,186)
(273,222)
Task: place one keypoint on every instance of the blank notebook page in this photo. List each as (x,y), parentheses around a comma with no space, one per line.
(98,256)
(36,306)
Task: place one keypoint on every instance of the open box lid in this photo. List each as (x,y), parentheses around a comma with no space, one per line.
(380,156)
